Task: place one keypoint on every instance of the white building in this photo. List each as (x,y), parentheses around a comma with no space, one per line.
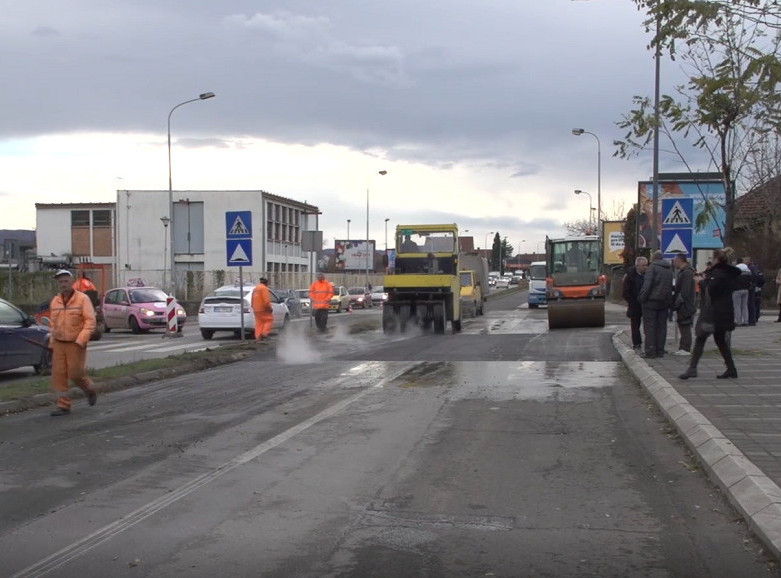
(131,237)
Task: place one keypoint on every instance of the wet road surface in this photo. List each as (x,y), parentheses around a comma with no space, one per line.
(504,451)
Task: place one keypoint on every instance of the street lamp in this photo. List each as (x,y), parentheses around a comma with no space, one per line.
(204,96)
(348,229)
(383,173)
(386,236)
(590,205)
(165,221)
(578,132)
(485,240)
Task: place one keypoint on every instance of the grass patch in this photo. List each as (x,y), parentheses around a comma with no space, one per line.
(181,363)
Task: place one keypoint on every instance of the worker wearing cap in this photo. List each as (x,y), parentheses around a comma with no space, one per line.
(261,305)
(320,293)
(72,321)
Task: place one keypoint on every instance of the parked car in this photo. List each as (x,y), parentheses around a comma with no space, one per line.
(22,341)
(379,296)
(223,310)
(340,300)
(291,300)
(306,302)
(360,297)
(138,309)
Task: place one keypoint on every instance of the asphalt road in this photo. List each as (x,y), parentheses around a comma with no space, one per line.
(506,450)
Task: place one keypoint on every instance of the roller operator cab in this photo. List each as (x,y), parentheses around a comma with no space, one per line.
(424,286)
(575,286)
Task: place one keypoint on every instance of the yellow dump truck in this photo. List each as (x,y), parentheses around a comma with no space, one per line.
(424,286)
(474,283)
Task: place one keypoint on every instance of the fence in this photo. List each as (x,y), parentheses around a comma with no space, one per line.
(32,289)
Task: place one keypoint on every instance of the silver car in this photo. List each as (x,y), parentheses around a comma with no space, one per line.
(222,311)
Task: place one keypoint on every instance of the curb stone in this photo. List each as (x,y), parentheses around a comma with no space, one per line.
(751,492)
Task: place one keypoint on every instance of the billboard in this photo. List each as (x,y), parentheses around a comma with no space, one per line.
(613,246)
(708,198)
(354,255)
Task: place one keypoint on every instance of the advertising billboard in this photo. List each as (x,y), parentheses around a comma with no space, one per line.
(354,255)
(613,247)
(708,216)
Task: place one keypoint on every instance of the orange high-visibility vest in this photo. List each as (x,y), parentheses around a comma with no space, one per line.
(320,293)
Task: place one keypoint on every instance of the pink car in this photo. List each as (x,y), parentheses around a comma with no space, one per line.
(138,309)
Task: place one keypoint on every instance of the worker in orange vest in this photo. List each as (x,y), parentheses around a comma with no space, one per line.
(320,293)
(72,322)
(87,287)
(261,305)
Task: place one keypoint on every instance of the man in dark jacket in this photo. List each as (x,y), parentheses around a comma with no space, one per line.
(632,283)
(656,299)
(684,302)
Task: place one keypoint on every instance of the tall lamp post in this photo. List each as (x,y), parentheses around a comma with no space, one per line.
(204,96)
(383,173)
(348,229)
(386,236)
(590,205)
(165,221)
(578,132)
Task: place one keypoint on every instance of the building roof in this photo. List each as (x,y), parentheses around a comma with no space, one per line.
(759,203)
(75,205)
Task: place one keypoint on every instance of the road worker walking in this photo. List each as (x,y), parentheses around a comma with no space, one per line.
(261,305)
(72,321)
(320,293)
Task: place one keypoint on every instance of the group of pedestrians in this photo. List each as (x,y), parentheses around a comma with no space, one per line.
(655,291)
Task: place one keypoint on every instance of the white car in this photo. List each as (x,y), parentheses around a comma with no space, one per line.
(222,310)
(379,295)
(502,283)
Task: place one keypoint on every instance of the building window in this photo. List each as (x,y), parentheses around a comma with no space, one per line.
(101,219)
(79,218)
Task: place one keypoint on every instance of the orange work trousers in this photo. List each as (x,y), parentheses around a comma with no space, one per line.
(263,324)
(69,362)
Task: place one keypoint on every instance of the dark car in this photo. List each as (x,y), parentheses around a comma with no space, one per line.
(360,297)
(22,341)
(291,299)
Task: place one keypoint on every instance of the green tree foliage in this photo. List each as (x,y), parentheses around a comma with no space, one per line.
(729,50)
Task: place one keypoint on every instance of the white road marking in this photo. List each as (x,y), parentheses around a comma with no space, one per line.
(80,547)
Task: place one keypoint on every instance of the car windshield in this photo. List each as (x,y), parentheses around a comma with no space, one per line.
(356,291)
(537,271)
(147,295)
(378,289)
(303,294)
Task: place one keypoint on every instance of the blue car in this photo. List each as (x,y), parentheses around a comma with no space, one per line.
(23,343)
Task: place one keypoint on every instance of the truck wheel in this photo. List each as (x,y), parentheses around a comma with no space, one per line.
(456,326)
(404,315)
(438,312)
(388,320)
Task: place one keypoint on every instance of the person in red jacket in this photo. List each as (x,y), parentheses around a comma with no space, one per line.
(72,320)
(261,305)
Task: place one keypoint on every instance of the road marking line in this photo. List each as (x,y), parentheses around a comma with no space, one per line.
(76,549)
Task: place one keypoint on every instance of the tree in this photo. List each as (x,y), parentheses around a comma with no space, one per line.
(730,102)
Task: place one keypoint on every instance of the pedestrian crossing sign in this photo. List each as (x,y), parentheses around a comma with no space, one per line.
(677,213)
(239,252)
(238,224)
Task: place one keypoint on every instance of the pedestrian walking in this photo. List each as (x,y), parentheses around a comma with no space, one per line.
(72,321)
(741,293)
(778,294)
(656,298)
(631,285)
(261,306)
(683,303)
(717,315)
(320,293)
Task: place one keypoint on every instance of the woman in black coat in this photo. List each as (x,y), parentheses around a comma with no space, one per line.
(717,316)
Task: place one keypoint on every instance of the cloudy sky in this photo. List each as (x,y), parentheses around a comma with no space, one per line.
(468,104)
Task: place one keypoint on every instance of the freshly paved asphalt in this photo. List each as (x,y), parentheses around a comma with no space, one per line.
(733,425)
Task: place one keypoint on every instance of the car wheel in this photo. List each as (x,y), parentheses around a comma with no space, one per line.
(339,308)
(45,365)
(285,321)
(106,328)
(134,326)
(207,333)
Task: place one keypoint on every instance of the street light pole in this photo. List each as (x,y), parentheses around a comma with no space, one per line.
(386,236)
(165,221)
(578,132)
(348,229)
(590,205)
(383,173)
(203,96)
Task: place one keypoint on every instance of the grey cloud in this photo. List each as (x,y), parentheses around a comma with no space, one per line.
(45,31)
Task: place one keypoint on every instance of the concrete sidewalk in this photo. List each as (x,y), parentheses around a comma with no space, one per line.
(732,425)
